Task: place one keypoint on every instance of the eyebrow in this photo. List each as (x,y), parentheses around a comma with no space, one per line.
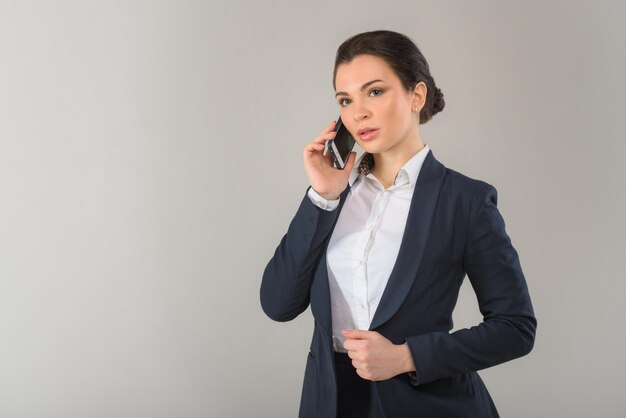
(363,87)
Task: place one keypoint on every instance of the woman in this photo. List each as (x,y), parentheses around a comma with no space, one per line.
(380,250)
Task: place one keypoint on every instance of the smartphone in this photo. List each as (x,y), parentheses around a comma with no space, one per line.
(341,145)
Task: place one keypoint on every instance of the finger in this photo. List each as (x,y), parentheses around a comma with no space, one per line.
(351,353)
(363,374)
(349,346)
(314,147)
(328,127)
(358,334)
(325,136)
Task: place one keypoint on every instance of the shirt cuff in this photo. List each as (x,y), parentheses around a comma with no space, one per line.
(320,202)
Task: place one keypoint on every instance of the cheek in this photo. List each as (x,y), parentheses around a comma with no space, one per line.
(389,109)
(396,108)
(402,114)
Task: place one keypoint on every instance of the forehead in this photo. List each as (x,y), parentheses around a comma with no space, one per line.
(351,76)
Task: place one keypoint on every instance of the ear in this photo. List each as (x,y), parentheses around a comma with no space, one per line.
(419,95)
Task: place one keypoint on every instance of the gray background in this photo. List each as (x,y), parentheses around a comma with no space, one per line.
(151,160)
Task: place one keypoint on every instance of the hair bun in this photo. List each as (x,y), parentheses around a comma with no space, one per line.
(439,103)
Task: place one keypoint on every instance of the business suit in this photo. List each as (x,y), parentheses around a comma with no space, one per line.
(453,228)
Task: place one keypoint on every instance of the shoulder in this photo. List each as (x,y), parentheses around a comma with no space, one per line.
(467,186)
(454,179)
(462,191)
(458,189)
(467,197)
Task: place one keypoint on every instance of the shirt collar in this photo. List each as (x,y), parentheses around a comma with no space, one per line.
(411,167)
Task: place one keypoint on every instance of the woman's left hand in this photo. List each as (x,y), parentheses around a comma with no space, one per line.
(375,357)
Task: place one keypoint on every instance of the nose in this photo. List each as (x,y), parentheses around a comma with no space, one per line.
(361,112)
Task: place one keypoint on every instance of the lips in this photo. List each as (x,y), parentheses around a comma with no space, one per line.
(367,133)
(365,130)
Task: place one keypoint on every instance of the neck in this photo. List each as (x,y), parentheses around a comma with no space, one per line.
(388,163)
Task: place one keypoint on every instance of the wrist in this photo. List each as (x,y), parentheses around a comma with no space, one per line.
(325,195)
(329,196)
(405,358)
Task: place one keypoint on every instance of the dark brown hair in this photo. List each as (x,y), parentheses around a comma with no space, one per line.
(406,60)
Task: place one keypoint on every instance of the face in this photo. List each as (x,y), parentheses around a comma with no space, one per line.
(371,96)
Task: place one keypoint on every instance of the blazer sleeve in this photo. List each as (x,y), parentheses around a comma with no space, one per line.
(286,283)
(509,324)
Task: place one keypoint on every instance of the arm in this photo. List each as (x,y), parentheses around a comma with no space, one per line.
(286,283)
(508,328)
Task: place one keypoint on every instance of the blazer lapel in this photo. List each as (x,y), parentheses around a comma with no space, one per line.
(414,239)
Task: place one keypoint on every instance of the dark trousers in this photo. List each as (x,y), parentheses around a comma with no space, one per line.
(356,397)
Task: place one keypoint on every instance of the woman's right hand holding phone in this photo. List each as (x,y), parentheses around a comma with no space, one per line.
(327,180)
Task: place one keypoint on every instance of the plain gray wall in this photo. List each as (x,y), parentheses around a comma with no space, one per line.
(151,160)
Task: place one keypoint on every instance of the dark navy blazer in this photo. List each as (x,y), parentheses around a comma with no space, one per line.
(453,229)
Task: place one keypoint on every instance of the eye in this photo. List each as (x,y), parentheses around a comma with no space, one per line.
(373,92)
(341,102)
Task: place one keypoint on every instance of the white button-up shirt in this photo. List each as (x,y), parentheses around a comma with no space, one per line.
(365,243)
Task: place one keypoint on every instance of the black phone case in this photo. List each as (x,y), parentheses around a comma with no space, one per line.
(338,127)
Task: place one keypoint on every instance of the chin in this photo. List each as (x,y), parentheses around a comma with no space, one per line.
(372,148)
